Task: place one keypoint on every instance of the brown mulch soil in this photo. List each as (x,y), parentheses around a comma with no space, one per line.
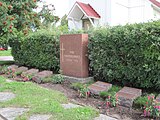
(121,113)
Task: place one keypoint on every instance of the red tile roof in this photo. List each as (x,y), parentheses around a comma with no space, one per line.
(155,2)
(88,9)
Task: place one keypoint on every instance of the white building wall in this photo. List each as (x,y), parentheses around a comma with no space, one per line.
(131,11)
(121,12)
(97,22)
(72,25)
(143,13)
(156,15)
(148,11)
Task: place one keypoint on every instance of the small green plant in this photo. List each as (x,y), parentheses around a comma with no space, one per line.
(84,92)
(77,86)
(82,89)
(110,92)
(110,96)
(56,79)
(26,77)
(112,100)
(10,72)
(140,102)
(3,69)
(18,73)
(152,109)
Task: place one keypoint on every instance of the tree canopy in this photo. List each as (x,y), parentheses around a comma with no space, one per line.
(20,16)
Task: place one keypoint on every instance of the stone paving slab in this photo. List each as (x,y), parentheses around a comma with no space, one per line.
(13,67)
(127,95)
(6,58)
(21,69)
(2,118)
(41,75)
(134,91)
(40,117)
(104,117)
(6,96)
(70,105)
(30,72)
(98,87)
(12,113)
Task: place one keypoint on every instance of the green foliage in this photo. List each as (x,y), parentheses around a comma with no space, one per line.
(17,16)
(48,19)
(3,69)
(110,96)
(152,108)
(140,102)
(110,92)
(128,54)
(77,85)
(64,20)
(20,16)
(56,79)
(112,100)
(39,50)
(82,89)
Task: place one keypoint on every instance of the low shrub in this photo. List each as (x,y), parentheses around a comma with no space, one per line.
(127,54)
(39,49)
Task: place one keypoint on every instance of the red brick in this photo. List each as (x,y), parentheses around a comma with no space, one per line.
(98,87)
(127,95)
(13,67)
(41,75)
(103,84)
(134,91)
(30,72)
(21,69)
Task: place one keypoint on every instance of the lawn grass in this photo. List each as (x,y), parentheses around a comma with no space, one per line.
(42,101)
(6,62)
(5,53)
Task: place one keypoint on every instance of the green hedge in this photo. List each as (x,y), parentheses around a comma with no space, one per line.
(39,49)
(127,54)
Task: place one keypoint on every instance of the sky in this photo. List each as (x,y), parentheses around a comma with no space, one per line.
(61,6)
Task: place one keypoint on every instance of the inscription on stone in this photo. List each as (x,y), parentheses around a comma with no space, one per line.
(73,51)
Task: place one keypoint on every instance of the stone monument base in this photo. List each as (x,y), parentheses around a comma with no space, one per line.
(80,80)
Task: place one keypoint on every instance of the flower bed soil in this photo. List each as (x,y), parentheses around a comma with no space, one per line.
(121,113)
